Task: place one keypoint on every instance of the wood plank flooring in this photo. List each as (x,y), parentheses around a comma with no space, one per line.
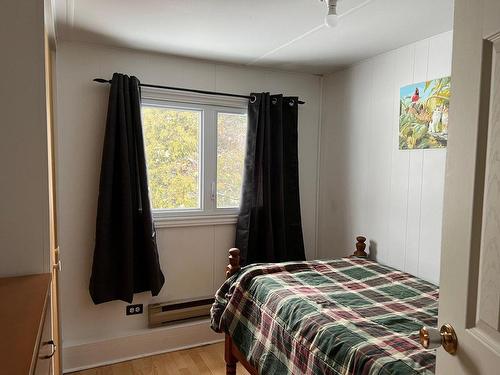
(208,360)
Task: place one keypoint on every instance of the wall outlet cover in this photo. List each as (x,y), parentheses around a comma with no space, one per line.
(134,309)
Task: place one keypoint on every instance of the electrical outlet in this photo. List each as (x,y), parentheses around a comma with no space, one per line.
(134,309)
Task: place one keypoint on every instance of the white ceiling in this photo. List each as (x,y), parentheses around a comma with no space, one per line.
(282,34)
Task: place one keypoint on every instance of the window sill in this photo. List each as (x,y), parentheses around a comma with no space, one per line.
(194,221)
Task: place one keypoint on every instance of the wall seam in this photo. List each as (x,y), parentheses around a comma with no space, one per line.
(422,175)
(409,174)
(388,229)
(370,132)
(318,165)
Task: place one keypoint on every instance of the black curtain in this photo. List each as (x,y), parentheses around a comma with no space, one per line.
(125,255)
(269,225)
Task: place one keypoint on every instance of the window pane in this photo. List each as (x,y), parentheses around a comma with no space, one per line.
(231,142)
(172,142)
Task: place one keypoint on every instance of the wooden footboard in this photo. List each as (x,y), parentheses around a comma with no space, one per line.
(231,353)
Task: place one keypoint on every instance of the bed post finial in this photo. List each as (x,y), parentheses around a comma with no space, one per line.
(360,247)
(234,262)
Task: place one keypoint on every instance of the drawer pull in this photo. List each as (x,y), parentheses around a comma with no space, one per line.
(53,351)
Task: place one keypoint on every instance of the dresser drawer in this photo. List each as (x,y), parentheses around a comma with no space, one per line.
(46,348)
(25,324)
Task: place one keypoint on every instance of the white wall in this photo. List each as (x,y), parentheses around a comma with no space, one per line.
(367,185)
(193,258)
(24,197)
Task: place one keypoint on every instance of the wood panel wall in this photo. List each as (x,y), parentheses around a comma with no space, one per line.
(367,185)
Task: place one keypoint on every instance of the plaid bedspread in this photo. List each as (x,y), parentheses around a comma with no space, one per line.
(345,316)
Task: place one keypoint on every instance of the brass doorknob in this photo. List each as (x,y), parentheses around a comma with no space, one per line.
(431,338)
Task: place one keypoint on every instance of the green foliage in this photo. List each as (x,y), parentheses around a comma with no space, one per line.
(231,136)
(171,139)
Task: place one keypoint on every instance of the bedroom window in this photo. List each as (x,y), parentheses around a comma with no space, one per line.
(231,137)
(172,141)
(194,155)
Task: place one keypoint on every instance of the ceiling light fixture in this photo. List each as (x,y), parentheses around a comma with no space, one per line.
(332,18)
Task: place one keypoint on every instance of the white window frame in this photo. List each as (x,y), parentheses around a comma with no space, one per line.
(208,213)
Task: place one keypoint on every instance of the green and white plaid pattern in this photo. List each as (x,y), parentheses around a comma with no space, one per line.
(346,316)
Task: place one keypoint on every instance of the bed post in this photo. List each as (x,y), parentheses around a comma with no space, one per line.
(360,247)
(231,269)
(230,359)
(234,262)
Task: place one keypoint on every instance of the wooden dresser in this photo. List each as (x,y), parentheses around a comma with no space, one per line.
(26,346)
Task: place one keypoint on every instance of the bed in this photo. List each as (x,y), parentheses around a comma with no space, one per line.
(344,316)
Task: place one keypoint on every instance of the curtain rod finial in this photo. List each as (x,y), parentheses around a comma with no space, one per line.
(101,80)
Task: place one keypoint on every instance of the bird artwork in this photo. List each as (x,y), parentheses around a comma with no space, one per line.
(423,119)
(416,96)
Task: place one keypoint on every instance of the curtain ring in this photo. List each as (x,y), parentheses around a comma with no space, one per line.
(253,99)
(291,103)
(274,100)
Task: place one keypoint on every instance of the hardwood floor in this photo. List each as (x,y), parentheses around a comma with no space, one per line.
(207,360)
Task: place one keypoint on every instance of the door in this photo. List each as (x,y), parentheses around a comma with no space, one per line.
(470,264)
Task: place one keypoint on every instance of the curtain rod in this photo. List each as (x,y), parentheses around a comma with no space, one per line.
(101,80)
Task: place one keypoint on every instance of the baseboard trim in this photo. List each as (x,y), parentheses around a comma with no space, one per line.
(151,342)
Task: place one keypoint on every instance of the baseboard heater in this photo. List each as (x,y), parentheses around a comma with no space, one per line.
(160,314)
